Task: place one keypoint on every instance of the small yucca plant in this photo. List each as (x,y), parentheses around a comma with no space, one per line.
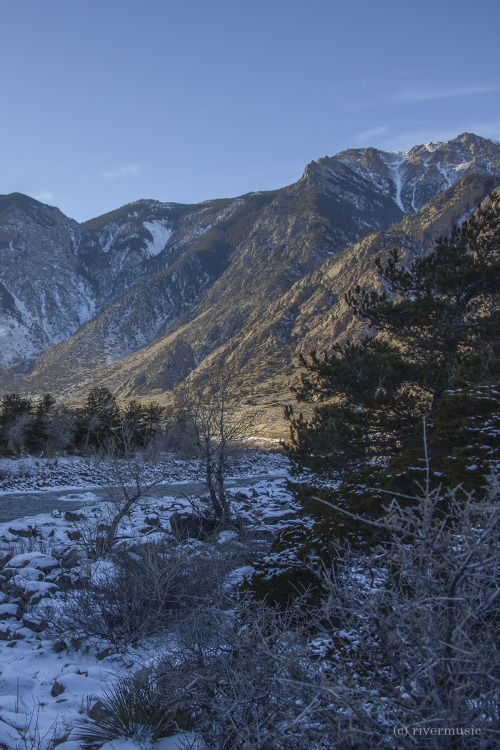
(129,708)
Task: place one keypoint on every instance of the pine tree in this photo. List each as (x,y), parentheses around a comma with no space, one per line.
(100,417)
(38,430)
(15,414)
(438,326)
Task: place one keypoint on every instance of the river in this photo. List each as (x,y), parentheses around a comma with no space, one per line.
(16,505)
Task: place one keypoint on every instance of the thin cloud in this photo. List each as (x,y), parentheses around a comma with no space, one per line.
(44,196)
(412,93)
(127,170)
(422,95)
(368,135)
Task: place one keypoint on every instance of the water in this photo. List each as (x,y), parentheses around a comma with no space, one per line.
(19,504)
(16,505)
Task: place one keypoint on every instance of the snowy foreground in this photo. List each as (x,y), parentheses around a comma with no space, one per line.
(47,685)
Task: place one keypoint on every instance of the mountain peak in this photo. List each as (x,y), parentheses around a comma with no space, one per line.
(158,287)
(24,205)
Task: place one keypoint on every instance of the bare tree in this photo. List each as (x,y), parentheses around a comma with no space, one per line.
(15,433)
(131,475)
(210,416)
(61,431)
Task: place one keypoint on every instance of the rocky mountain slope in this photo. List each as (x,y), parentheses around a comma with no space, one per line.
(139,298)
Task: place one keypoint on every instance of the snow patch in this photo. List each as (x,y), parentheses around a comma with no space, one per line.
(432,145)
(161,232)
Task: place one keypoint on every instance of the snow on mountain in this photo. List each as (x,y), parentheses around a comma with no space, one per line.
(44,296)
(161,232)
(105,289)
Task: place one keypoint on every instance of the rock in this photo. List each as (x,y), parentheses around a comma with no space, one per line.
(22,531)
(27,573)
(5,559)
(5,633)
(262,535)
(244,505)
(74,517)
(152,521)
(186,526)
(59,646)
(241,496)
(74,536)
(227,536)
(7,611)
(34,588)
(37,624)
(64,581)
(57,689)
(22,633)
(104,653)
(280,515)
(96,711)
(71,558)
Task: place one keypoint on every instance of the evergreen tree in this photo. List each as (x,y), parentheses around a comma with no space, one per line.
(439,325)
(15,415)
(99,418)
(141,422)
(13,405)
(38,430)
(154,416)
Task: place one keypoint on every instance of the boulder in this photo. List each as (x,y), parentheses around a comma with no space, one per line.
(26,532)
(5,633)
(152,521)
(74,517)
(8,610)
(37,624)
(71,558)
(57,689)
(186,526)
(59,646)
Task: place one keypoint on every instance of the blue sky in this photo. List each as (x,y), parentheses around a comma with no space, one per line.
(108,101)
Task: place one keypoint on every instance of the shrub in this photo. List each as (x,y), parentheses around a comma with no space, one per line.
(407,636)
(130,708)
(141,590)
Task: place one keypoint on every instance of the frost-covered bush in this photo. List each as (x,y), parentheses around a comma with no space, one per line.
(407,638)
(415,624)
(245,678)
(139,591)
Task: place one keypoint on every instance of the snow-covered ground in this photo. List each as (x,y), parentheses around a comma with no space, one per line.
(47,686)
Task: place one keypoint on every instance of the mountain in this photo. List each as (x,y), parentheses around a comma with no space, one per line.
(139,298)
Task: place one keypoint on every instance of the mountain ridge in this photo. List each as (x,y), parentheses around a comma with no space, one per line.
(202,283)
